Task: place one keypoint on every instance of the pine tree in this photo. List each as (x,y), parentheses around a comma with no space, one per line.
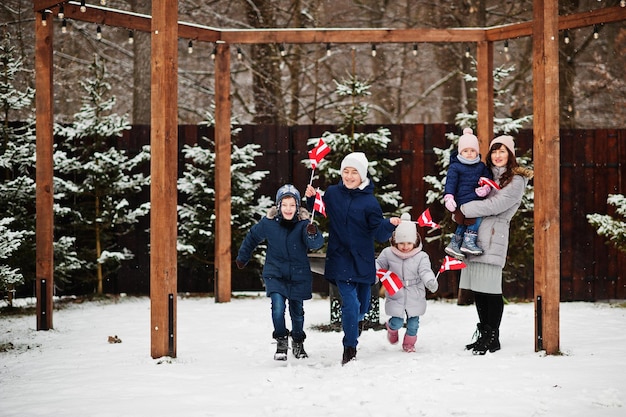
(613,227)
(196,236)
(520,261)
(98,181)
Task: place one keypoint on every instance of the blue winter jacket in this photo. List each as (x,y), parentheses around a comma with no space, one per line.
(462,179)
(355,221)
(287,270)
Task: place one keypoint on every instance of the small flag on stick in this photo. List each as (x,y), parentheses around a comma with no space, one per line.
(318,153)
(425,219)
(489,182)
(390,280)
(319,205)
(451,264)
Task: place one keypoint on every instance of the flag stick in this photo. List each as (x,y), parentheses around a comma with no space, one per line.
(312,172)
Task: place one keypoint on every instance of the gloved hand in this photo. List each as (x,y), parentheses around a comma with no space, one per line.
(240,264)
(449,202)
(483,191)
(311,229)
(432,285)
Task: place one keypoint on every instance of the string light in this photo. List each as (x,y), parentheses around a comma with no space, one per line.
(622,3)
(83,7)
(373,50)
(98,33)
(190,47)
(566,37)
(596,35)
(506,45)
(281,48)
(239,54)
(214,54)
(64,26)
(328,52)
(131,37)
(103,2)
(467,52)
(414,49)
(61,12)
(44,18)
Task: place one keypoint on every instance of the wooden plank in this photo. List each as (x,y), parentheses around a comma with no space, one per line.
(603,149)
(484,98)
(44,235)
(223,233)
(547,195)
(568,199)
(163,169)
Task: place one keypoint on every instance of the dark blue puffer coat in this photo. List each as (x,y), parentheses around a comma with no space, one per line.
(462,179)
(355,221)
(287,270)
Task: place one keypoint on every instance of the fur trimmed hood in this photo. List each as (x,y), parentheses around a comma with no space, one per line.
(524,172)
(303,214)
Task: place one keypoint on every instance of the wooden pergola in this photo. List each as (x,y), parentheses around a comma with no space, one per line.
(165,31)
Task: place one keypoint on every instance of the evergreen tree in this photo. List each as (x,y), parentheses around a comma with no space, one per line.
(196,236)
(98,181)
(520,261)
(609,226)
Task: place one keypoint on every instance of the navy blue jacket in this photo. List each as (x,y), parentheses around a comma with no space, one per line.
(355,221)
(287,270)
(462,179)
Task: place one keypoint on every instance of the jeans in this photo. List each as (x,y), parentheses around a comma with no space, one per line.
(412,324)
(296,312)
(461,228)
(355,303)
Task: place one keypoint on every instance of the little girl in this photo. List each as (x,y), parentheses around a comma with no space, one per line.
(407,260)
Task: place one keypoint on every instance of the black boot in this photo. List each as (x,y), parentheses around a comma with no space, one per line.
(478,335)
(490,341)
(282,346)
(298,349)
(349,354)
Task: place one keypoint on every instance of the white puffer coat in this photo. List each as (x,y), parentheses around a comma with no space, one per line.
(416,274)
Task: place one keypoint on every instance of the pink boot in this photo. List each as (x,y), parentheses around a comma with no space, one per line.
(408,344)
(392,335)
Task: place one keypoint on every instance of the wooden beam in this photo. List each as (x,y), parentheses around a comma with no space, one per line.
(164,173)
(546,148)
(44,228)
(484,97)
(223,263)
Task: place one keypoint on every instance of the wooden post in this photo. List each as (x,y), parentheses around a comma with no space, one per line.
(164,173)
(44,235)
(546,148)
(484,97)
(222,175)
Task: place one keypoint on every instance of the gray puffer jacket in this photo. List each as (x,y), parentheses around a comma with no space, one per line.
(416,274)
(496,211)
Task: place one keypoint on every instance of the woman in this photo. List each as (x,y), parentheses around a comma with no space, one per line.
(483,275)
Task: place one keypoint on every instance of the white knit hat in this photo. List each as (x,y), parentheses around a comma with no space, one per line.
(468,140)
(506,141)
(406,231)
(356,160)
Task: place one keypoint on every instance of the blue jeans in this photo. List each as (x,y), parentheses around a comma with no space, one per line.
(461,228)
(355,303)
(412,324)
(296,312)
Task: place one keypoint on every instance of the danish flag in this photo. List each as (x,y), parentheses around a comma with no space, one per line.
(390,280)
(489,182)
(426,220)
(451,264)
(319,205)
(318,153)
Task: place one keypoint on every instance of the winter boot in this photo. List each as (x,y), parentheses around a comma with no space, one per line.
(408,344)
(478,335)
(469,244)
(454,247)
(490,341)
(349,354)
(298,349)
(282,346)
(392,335)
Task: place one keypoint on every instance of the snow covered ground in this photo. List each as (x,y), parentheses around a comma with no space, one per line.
(225,367)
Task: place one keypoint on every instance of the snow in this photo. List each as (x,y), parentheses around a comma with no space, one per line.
(225,367)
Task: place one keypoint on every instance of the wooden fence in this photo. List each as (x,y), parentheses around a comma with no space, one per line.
(592,166)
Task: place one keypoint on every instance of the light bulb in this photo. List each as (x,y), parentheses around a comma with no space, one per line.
(328,52)
(596,35)
(64,26)
(131,37)
(281,48)
(239,54)
(214,53)
(622,3)
(566,36)
(506,45)
(467,52)
(44,19)
(83,8)
(61,12)
(103,2)
(415,49)
(98,33)
(190,47)
(373,50)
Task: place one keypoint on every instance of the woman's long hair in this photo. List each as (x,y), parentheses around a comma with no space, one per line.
(507,176)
